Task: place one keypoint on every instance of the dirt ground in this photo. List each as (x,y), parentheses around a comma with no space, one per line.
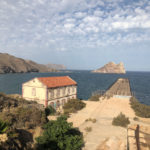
(101,134)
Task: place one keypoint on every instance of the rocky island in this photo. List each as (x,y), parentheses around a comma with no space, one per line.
(111,67)
(12,64)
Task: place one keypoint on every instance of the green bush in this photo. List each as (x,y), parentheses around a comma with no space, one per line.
(136,118)
(24,117)
(3,127)
(140,110)
(73,106)
(95,97)
(50,111)
(60,135)
(88,129)
(92,120)
(121,120)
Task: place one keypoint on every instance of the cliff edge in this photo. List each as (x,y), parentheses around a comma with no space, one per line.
(111,67)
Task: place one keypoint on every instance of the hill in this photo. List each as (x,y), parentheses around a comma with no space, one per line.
(56,66)
(111,67)
(12,64)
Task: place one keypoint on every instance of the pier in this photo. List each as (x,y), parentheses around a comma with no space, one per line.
(121,88)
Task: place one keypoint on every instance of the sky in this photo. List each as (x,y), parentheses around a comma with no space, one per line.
(81,34)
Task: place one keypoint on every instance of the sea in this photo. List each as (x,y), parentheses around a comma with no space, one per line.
(88,83)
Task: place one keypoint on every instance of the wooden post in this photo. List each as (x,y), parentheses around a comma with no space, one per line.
(137,137)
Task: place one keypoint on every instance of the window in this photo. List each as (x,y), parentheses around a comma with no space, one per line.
(52,104)
(64,91)
(52,93)
(68,90)
(58,92)
(33,92)
(73,89)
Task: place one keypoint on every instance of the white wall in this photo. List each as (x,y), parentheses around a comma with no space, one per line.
(40,91)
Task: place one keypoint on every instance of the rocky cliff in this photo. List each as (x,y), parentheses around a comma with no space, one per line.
(111,67)
(12,64)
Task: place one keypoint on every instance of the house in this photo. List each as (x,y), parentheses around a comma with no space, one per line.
(54,91)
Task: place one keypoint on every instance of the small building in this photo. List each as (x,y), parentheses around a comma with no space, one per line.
(54,91)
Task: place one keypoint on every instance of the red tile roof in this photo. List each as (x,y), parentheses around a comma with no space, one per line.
(52,82)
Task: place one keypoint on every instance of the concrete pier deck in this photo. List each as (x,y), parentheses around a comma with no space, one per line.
(121,88)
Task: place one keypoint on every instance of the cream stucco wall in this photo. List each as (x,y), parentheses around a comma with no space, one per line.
(60,92)
(53,95)
(40,91)
(65,94)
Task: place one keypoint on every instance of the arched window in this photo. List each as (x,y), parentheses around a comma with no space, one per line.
(57,104)
(52,104)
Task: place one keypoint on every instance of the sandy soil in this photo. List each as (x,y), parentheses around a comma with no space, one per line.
(103,134)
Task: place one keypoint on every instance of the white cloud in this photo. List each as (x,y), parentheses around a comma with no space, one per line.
(69,26)
(46,23)
(80,14)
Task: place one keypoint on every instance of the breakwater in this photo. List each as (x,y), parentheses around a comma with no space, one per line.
(121,88)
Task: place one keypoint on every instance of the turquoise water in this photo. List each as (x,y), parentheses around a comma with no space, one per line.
(87,82)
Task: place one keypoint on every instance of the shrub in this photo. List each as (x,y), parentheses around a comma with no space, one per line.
(24,117)
(50,111)
(140,110)
(90,119)
(94,120)
(88,129)
(95,97)
(3,127)
(60,135)
(121,120)
(73,106)
(136,118)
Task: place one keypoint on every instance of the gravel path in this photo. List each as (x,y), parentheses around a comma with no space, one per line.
(102,130)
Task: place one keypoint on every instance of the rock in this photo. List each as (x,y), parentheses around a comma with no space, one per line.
(19,139)
(12,64)
(52,117)
(3,137)
(111,67)
(38,131)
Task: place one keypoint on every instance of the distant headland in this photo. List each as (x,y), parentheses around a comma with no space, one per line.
(111,67)
(12,64)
